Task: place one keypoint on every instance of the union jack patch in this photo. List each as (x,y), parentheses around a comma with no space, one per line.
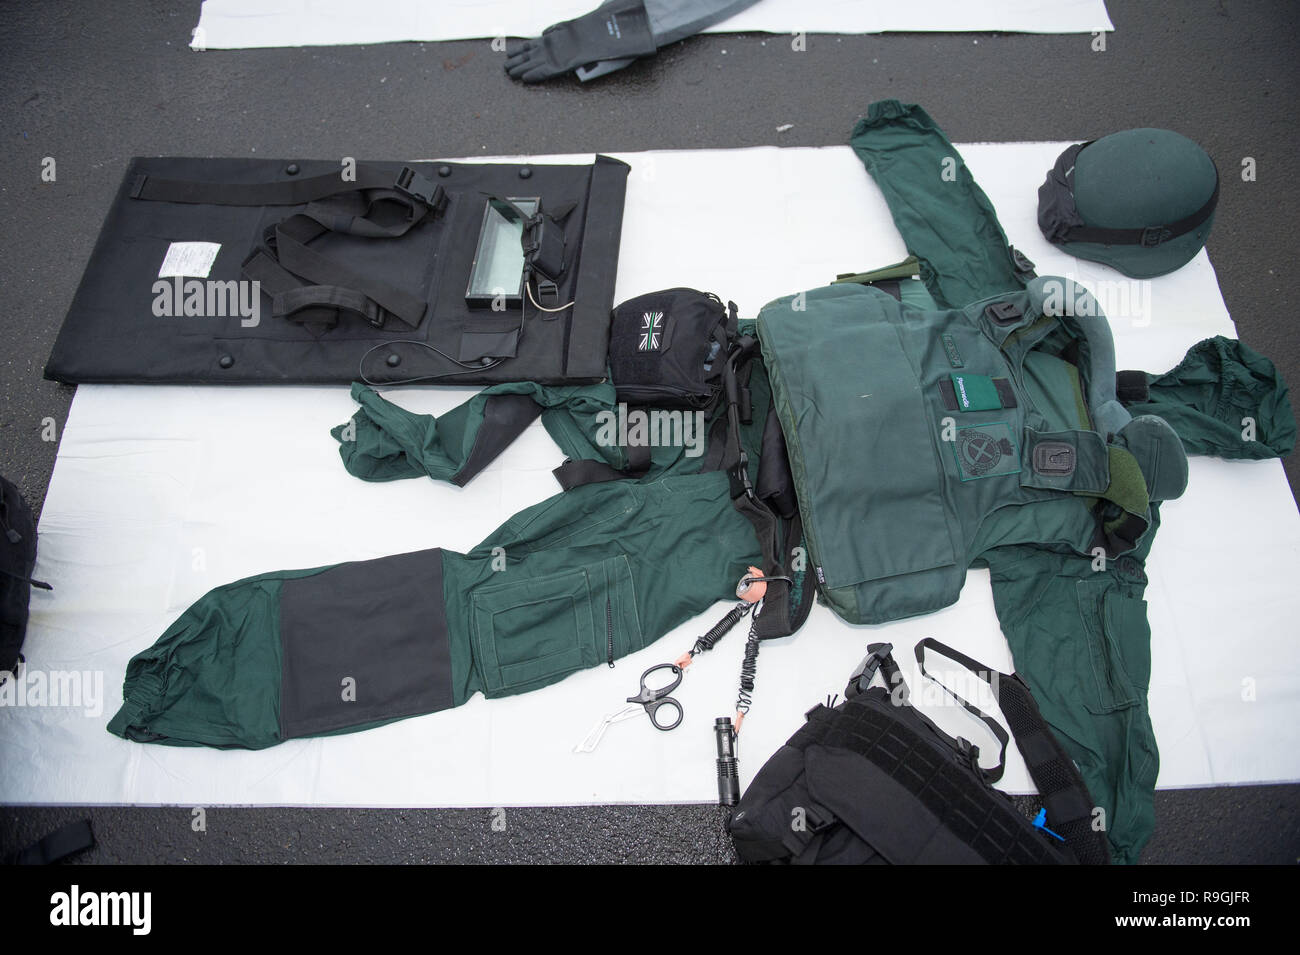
(652,326)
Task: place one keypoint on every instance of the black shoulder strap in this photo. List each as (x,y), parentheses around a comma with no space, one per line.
(1065,796)
(985,674)
(789,596)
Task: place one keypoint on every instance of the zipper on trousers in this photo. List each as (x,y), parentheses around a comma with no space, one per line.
(609,631)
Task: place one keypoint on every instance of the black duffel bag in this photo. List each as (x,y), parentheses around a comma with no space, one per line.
(873,780)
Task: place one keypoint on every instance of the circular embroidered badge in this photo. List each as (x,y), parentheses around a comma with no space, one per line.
(979,452)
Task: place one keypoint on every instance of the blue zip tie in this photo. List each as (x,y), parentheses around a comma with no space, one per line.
(1040,822)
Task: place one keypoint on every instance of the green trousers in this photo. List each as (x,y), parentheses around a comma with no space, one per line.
(584,577)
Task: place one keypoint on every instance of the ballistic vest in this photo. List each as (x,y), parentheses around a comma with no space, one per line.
(918,439)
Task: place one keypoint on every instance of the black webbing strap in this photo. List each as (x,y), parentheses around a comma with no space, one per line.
(1148,237)
(32,581)
(880,656)
(985,674)
(323,287)
(788,599)
(69,840)
(299,268)
(331,299)
(573,474)
(290,191)
(1131,387)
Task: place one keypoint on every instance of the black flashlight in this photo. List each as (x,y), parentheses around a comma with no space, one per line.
(728,769)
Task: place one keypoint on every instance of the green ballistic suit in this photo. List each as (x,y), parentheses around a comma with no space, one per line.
(580,578)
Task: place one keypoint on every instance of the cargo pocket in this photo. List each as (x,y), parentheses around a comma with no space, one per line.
(1110,618)
(531,633)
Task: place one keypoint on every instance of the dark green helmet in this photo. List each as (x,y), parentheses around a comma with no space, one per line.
(1141,201)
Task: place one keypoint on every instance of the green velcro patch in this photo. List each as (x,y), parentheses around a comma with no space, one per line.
(976,393)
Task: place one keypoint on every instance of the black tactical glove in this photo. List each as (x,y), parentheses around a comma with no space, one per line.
(615,30)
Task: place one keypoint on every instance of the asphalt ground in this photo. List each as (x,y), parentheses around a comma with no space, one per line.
(93,85)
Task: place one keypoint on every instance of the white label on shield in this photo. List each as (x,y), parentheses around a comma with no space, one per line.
(189,259)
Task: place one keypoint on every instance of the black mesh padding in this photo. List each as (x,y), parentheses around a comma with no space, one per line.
(1052,777)
(1065,795)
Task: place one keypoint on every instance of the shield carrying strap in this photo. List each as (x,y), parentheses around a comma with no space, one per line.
(306,286)
(323,303)
(288,263)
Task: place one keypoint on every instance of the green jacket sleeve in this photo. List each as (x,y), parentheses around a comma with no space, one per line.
(944,216)
(384,442)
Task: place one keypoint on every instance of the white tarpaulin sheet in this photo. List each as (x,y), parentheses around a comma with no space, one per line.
(236,24)
(161,493)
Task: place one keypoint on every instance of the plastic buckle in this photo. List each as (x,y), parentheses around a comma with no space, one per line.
(971,752)
(1004,313)
(742,473)
(421,188)
(374,314)
(1153,236)
(815,823)
(1021,262)
(548,294)
(861,678)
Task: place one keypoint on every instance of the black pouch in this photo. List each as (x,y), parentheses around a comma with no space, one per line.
(17,558)
(667,348)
